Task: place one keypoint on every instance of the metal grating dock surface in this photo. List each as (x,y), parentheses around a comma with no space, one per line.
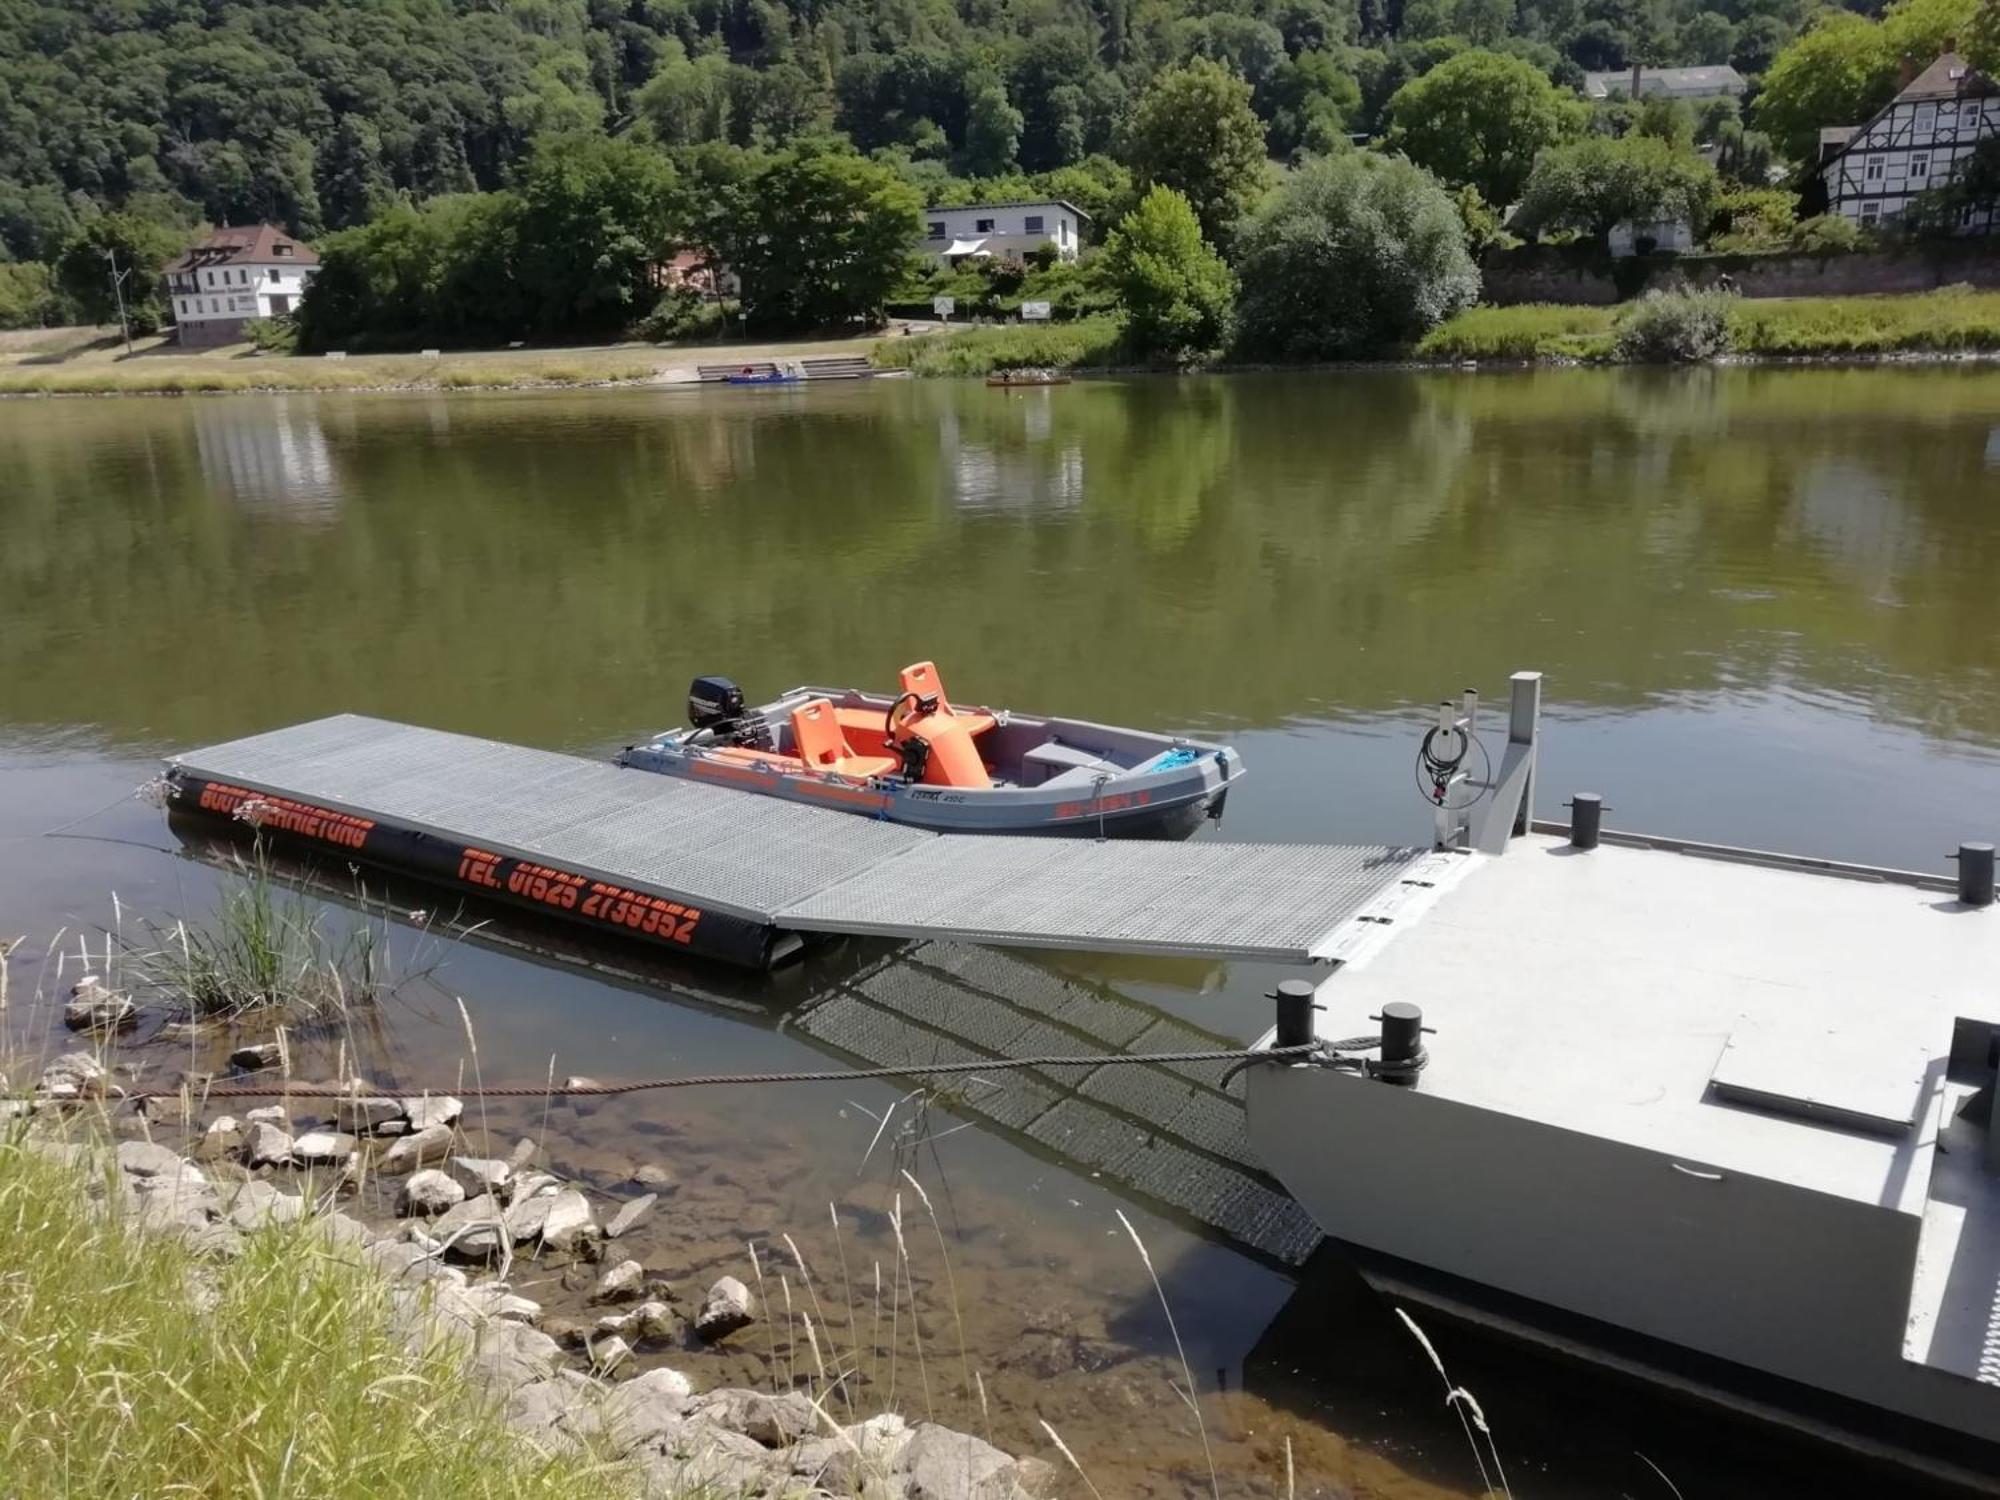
(807,869)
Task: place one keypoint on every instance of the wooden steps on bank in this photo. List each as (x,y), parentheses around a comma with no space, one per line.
(829,367)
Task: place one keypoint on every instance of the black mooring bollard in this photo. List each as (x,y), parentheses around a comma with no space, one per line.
(1295,1012)
(1402,1034)
(1975,874)
(1586,819)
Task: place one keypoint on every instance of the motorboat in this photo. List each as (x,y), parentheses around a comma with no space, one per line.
(915,757)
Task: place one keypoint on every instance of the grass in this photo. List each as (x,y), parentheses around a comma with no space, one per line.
(1949,320)
(290,1382)
(1083,344)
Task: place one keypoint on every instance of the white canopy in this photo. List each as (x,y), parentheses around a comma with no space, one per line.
(967,247)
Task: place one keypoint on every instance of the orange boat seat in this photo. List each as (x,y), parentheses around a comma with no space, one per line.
(922,679)
(820,744)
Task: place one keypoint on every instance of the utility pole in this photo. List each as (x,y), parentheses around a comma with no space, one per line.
(118,291)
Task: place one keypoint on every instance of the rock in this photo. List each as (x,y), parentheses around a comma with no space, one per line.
(492,1300)
(649,1320)
(532,1185)
(703,1459)
(147,1160)
(215,1241)
(653,1176)
(269,1114)
(579,1081)
(415,1234)
(92,1007)
(429,1192)
(940,1464)
(265,1145)
(258,1204)
(558,1221)
(432,1143)
(629,1215)
(72,1076)
(472,1230)
(645,1411)
(432,1109)
(389,1129)
(323,1148)
(256,1055)
(366,1113)
(523,1153)
(224,1125)
(508,1355)
(621,1283)
(608,1353)
(774,1421)
(222,1139)
(727,1309)
(482,1174)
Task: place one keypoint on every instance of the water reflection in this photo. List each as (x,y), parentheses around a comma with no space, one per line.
(270,460)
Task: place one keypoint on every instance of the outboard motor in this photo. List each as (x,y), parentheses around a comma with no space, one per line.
(715,703)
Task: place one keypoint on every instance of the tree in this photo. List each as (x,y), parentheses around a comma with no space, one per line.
(992,130)
(141,248)
(353,183)
(1355,254)
(1175,288)
(1845,68)
(1479,120)
(1599,182)
(1194,131)
(1311,103)
(27,294)
(596,215)
(820,237)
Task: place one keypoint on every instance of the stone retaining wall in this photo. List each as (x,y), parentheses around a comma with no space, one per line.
(1565,274)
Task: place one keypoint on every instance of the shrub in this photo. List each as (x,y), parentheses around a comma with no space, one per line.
(279,335)
(1829,234)
(1175,287)
(681,313)
(1677,327)
(1753,219)
(1355,254)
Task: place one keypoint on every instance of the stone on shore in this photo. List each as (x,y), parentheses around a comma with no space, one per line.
(940,1464)
(645,1410)
(560,1221)
(651,1319)
(368,1112)
(492,1300)
(405,1153)
(630,1215)
(774,1421)
(727,1309)
(429,1192)
(265,1145)
(523,1153)
(432,1109)
(258,1204)
(72,1076)
(256,1055)
(323,1148)
(268,1114)
(472,1230)
(621,1283)
(92,1007)
(482,1174)
(607,1354)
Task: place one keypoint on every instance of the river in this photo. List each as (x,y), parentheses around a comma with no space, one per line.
(1765,602)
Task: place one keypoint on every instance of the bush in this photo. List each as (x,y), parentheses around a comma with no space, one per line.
(1678,327)
(1356,254)
(1748,220)
(1175,287)
(1829,234)
(279,335)
(681,313)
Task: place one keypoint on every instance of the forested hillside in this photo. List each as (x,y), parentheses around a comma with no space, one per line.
(315,113)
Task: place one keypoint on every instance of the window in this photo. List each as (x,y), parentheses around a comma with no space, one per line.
(1062,231)
(281,248)
(1034,224)
(274,273)
(1874,168)
(1920,167)
(1870,212)
(208,278)
(1926,117)
(936,230)
(982,226)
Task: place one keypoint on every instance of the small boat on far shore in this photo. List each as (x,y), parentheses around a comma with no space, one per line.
(1028,377)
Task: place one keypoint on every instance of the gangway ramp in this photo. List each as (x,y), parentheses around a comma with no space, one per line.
(723,872)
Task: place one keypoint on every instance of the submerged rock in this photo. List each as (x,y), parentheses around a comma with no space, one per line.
(256,1055)
(653,1176)
(727,1309)
(621,1283)
(630,1215)
(366,1113)
(72,1076)
(92,1007)
(429,1192)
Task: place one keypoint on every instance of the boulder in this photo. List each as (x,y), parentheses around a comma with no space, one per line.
(406,1153)
(323,1148)
(621,1283)
(528,1185)
(255,1055)
(629,1215)
(492,1300)
(472,1230)
(428,1192)
(72,1076)
(145,1159)
(265,1145)
(366,1113)
(651,1319)
(257,1204)
(727,1309)
(482,1174)
(645,1411)
(703,1459)
(432,1109)
(608,1353)
(222,1139)
(559,1221)
(940,1464)
(508,1355)
(774,1421)
(92,1007)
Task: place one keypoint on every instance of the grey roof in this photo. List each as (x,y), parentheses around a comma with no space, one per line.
(1682,82)
(959,208)
(1950,77)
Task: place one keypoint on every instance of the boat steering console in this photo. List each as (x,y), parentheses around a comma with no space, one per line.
(914,749)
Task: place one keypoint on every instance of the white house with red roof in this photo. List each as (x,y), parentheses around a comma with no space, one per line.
(236,275)
(1916,143)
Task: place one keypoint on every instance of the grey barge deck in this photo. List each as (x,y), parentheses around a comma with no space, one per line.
(739,876)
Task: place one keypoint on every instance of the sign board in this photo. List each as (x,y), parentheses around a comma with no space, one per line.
(1035,312)
(944,307)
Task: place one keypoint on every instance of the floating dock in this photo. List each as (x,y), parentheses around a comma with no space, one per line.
(741,877)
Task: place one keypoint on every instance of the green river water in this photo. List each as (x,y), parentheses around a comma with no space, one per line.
(1765,602)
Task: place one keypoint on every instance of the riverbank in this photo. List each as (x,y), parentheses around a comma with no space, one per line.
(257,1336)
(1951,322)
(94,362)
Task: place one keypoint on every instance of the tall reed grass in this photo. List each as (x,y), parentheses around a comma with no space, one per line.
(1086,343)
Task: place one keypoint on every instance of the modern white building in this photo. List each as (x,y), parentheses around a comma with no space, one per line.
(1874,171)
(1718,82)
(1002,231)
(236,275)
